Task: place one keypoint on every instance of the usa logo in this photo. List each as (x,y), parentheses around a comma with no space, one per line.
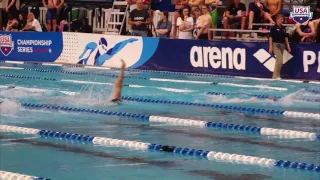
(301,14)
(6,44)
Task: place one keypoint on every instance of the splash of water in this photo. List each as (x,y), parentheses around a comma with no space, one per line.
(9,107)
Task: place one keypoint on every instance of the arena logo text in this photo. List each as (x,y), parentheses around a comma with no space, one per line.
(310,58)
(31,46)
(224,57)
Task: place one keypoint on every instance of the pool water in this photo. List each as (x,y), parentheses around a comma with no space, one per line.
(87,88)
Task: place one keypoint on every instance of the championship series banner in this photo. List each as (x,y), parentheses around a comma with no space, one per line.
(195,56)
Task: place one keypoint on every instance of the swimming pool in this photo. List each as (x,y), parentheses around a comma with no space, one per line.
(158,108)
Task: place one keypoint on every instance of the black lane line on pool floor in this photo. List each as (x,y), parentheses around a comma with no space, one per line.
(219,176)
(209,136)
(78,150)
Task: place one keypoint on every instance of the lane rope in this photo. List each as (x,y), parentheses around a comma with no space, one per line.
(167,72)
(5,175)
(227,107)
(144,146)
(185,122)
(261,96)
(163,80)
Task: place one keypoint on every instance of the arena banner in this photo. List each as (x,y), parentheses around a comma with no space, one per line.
(30,46)
(234,58)
(107,50)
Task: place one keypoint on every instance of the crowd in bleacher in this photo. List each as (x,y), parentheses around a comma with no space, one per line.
(192,19)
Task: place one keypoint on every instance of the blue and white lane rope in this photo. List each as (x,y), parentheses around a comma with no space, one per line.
(155,79)
(184,122)
(5,175)
(210,155)
(262,96)
(37,90)
(165,72)
(227,107)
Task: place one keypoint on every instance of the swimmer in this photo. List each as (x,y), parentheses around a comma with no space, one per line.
(254,99)
(118,85)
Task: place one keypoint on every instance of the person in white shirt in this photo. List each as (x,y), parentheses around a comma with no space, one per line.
(32,24)
(186,24)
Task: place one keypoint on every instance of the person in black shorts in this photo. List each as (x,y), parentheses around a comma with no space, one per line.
(118,86)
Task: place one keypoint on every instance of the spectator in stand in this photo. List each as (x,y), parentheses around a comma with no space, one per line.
(197,14)
(274,6)
(186,24)
(308,30)
(213,4)
(12,23)
(2,10)
(278,41)
(52,9)
(195,4)
(257,13)
(164,25)
(133,4)
(32,24)
(203,24)
(316,13)
(139,19)
(235,16)
(22,21)
(11,8)
(179,5)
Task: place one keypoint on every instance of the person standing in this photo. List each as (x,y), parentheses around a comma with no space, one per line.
(11,8)
(277,41)
(203,24)
(52,9)
(139,19)
(2,8)
(164,25)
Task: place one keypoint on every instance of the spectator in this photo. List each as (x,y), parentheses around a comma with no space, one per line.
(139,19)
(2,7)
(197,14)
(11,8)
(316,13)
(195,4)
(52,9)
(258,12)
(203,24)
(306,30)
(133,4)
(32,24)
(164,25)
(277,42)
(21,21)
(274,6)
(235,16)
(213,4)
(12,23)
(186,24)
(179,5)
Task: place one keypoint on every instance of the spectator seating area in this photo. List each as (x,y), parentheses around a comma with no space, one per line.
(96,14)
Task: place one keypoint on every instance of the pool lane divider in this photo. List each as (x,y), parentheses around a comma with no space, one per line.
(37,90)
(164,72)
(184,122)
(152,79)
(260,96)
(227,107)
(5,175)
(145,146)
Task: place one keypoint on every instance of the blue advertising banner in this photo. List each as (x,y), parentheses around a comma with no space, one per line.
(30,46)
(234,58)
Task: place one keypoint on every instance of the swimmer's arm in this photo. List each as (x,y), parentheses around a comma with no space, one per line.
(118,87)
